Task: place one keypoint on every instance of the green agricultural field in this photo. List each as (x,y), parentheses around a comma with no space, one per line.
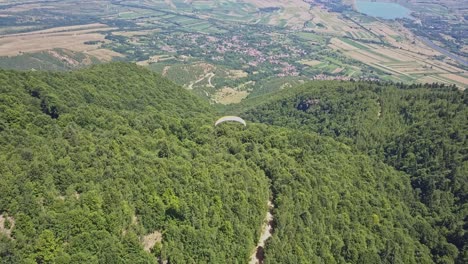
(311,37)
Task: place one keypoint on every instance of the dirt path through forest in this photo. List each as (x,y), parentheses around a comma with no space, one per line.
(258,254)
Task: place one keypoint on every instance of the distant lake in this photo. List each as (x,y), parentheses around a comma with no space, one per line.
(382,10)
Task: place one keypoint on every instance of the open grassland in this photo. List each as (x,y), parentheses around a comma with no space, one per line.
(229,96)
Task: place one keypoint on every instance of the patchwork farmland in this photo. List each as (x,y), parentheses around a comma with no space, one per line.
(265,40)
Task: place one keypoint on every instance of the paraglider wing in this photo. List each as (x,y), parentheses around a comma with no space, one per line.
(230,118)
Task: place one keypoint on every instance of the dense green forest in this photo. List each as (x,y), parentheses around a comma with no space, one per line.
(94,160)
(418,129)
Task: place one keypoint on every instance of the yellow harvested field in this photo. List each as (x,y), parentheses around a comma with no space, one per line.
(457,78)
(65,29)
(229,96)
(392,54)
(383,29)
(428,79)
(444,66)
(17,45)
(407,53)
(72,38)
(135,33)
(361,57)
(389,69)
(413,67)
(5,30)
(443,78)
(342,45)
(374,56)
(416,70)
(104,54)
(418,47)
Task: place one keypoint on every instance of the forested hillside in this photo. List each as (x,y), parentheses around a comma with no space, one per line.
(418,130)
(115,164)
(94,160)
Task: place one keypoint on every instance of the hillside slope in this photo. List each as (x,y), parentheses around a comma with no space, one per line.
(94,160)
(418,130)
(114,164)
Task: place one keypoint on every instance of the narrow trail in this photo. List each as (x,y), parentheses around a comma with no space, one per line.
(209,80)
(208,75)
(258,254)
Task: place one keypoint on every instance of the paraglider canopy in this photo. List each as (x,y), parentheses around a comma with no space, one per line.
(230,118)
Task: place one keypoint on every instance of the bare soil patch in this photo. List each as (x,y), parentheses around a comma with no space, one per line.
(165,70)
(150,240)
(3,225)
